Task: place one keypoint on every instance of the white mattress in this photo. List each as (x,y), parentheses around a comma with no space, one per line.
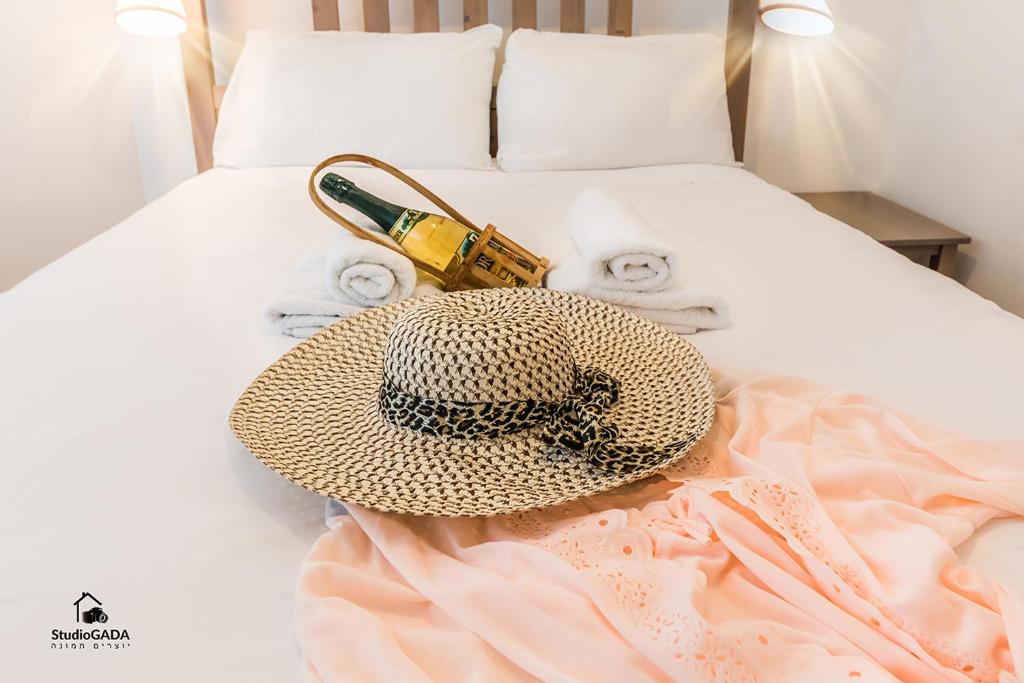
(120,362)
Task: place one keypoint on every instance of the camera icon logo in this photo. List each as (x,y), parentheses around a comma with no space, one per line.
(94,615)
(88,610)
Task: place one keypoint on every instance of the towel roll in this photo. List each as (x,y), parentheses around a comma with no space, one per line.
(364,273)
(683,310)
(302,306)
(619,249)
(619,259)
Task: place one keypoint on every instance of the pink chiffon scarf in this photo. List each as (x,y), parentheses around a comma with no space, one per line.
(809,537)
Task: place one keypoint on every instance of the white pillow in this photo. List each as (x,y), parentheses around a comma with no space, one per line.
(578,101)
(414,100)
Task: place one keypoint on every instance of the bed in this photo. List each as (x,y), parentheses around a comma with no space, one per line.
(121,361)
(124,358)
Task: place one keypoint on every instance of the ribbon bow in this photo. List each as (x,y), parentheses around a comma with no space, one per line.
(577,424)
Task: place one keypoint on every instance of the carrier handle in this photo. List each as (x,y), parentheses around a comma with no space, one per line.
(363,233)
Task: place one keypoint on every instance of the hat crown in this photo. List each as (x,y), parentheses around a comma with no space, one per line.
(480,350)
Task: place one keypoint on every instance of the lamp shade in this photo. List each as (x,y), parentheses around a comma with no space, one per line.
(152,18)
(804,18)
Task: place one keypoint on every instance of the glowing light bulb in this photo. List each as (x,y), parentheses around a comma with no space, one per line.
(804,18)
(151,18)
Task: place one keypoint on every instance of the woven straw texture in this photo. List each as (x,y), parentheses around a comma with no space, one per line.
(313,415)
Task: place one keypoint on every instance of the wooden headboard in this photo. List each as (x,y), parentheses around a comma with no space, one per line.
(204,95)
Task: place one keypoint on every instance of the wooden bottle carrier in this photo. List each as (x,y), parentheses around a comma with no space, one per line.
(490,243)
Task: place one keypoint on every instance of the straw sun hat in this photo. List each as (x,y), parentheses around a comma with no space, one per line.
(478,403)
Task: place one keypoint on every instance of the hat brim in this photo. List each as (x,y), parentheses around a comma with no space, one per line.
(312,417)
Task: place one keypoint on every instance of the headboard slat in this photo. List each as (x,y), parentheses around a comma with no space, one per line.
(325,15)
(524,14)
(474,13)
(376,16)
(739,44)
(574,16)
(197,61)
(620,17)
(426,16)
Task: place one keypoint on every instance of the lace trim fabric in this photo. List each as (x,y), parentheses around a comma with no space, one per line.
(797,516)
(656,600)
(617,557)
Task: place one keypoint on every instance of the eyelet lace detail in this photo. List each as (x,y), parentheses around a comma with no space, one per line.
(614,550)
(797,516)
(699,462)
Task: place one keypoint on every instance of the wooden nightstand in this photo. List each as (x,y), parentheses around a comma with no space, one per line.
(916,237)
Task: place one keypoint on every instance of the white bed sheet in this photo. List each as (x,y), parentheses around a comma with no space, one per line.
(120,362)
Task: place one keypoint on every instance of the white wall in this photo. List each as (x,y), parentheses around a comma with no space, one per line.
(820,107)
(160,115)
(955,146)
(68,162)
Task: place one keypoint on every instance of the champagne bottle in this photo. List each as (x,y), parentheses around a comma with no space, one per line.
(437,240)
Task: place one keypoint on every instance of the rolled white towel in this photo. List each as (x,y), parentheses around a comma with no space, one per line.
(301,307)
(362,272)
(684,310)
(617,247)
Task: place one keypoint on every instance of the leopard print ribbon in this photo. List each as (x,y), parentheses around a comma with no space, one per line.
(575,424)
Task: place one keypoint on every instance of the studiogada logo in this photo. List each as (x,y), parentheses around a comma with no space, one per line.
(89,610)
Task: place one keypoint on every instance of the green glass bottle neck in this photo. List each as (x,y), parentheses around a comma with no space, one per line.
(383,213)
